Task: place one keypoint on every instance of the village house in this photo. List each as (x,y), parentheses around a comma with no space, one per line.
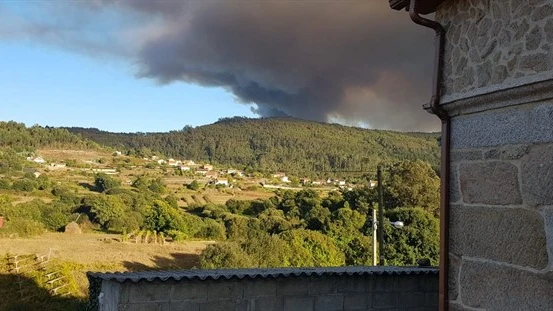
(184,168)
(188,162)
(222,181)
(201,172)
(211,174)
(173,162)
(39,160)
(235,172)
(373,183)
(208,167)
(57,166)
(33,171)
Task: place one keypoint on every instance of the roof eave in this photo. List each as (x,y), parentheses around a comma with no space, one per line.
(425,6)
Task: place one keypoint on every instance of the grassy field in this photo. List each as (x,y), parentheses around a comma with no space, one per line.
(79,253)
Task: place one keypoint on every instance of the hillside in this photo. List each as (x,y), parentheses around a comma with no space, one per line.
(19,138)
(277,144)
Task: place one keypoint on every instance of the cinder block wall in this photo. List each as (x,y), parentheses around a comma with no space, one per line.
(315,292)
(499,90)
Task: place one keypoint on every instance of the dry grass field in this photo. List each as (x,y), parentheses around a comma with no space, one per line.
(105,250)
(79,155)
(79,253)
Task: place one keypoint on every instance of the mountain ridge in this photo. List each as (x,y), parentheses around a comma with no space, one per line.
(276,144)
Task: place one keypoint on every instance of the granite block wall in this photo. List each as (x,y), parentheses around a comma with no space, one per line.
(498,89)
(501,212)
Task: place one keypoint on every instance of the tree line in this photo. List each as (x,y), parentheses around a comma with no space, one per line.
(19,138)
(302,148)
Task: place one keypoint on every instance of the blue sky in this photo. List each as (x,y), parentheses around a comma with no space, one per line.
(50,86)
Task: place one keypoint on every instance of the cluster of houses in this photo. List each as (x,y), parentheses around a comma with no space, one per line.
(51,166)
(205,170)
(215,177)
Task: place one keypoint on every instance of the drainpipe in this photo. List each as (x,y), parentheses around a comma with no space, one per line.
(435,108)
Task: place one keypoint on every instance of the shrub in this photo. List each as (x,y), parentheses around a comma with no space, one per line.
(55,221)
(24,185)
(224,255)
(5,183)
(21,228)
(211,230)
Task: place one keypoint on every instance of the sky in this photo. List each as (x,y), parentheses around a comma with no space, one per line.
(151,66)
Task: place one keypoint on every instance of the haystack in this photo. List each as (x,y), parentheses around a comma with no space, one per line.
(73,228)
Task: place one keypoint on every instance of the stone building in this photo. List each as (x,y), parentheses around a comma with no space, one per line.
(494,94)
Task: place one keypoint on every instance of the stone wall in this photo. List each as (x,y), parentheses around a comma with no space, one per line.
(495,44)
(410,292)
(501,213)
(499,92)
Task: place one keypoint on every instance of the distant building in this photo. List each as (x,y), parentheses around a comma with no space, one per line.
(211,174)
(221,182)
(173,162)
(201,172)
(57,166)
(184,168)
(32,171)
(161,161)
(207,167)
(285,179)
(38,160)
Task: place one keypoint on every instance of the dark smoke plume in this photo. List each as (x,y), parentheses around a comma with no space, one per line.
(353,62)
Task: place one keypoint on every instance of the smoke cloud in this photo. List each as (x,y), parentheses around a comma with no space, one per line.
(354,62)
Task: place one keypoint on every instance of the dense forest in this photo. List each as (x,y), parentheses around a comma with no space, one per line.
(277,144)
(19,138)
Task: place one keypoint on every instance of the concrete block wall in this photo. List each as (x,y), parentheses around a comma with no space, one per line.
(498,89)
(335,292)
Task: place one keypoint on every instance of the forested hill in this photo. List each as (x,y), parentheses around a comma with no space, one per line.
(277,144)
(18,137)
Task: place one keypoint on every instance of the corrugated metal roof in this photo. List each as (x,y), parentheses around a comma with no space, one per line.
(228,274)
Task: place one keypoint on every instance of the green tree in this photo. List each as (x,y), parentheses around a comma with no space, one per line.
(312,249)
(106,210)
(419,238)
(412,184)
(163,218)
(104,182)
(225,255)
(194,185)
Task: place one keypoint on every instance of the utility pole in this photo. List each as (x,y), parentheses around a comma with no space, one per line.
(375,226)
(380,216)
